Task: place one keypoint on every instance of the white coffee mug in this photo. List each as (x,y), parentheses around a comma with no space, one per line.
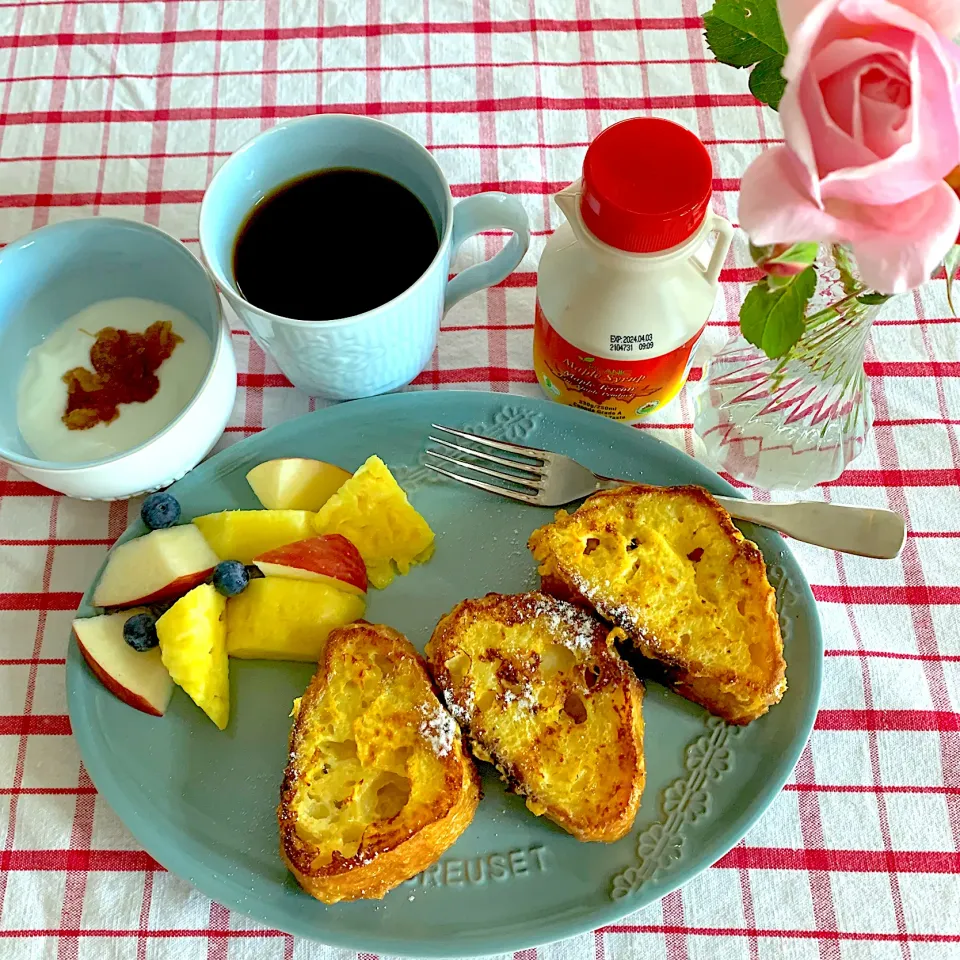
(387,347)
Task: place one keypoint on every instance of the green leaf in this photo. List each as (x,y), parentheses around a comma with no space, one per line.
(760,254)
(778,283)
(798,253)
(873,299)
(753,22)
(773,320)
(731,45)
(950,264)
(767,83)
(742,33)
(847,269)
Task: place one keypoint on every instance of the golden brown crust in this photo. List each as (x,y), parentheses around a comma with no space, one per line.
(662,598)
(541,693)
(389,851)
(359,880)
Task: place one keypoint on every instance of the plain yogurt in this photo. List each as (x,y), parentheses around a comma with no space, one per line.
(42,394)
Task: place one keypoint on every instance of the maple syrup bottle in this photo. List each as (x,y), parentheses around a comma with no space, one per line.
(625,286)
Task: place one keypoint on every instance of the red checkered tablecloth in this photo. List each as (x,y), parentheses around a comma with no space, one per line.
(127,108)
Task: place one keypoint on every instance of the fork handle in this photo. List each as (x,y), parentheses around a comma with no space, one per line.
(862,531)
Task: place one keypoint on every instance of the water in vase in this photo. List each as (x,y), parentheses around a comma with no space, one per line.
(787,425)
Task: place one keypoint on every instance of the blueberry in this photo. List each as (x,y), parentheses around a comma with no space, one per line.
(160,510)
(230,577)
(140,631)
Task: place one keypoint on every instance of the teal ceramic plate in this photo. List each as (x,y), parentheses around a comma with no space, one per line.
(203,802)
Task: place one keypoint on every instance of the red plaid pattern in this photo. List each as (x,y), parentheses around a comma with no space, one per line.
(126,108)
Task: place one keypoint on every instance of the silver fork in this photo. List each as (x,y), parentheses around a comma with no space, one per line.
(547,479)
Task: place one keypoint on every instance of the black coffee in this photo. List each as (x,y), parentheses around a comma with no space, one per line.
(333,244)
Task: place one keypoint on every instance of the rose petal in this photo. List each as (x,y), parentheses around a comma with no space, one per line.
(794,12)
(936,58)
(871,117)
(832,113)
(899,246)
(930,147)
(812,27)
(838,69)
(869,102)
(833,147)
(885,116)
(774,204)
(942,15)
(829,98)
(894,45)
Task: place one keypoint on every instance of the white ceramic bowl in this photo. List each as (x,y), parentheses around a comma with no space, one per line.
(56,271)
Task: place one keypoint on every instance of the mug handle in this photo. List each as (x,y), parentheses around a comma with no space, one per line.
(484,212)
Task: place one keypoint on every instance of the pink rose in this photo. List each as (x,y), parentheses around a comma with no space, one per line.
(871,118)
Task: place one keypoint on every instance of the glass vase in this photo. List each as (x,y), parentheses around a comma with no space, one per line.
(790,423)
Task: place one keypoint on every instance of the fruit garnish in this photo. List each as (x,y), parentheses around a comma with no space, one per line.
(140,632)
(295,483)
(230,577)
(161,565)
(160,510)
(138,679)
(244,534)
(280,619)
(331,559)
(193,634)
(372,512)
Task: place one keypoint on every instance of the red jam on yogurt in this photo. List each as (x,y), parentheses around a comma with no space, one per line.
(109,378)
(124,370)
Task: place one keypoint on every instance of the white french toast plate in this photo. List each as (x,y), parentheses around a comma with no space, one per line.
(203,802)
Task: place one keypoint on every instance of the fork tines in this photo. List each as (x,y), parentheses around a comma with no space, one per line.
(526,482)
(532,452)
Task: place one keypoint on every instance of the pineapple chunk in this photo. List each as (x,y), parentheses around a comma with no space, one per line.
(276,618)
(193,647)
(372,512)
(245,534)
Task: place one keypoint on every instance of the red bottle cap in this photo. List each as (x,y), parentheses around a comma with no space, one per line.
(646,185)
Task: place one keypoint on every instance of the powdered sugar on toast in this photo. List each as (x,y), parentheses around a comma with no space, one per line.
(568,624)
(439,729)
(461,712)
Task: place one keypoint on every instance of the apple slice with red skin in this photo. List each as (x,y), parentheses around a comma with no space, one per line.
(163,565)
(331,559)
(138,679)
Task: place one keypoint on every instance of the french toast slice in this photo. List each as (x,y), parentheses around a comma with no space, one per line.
(378,783)
(669,568)
(540,691)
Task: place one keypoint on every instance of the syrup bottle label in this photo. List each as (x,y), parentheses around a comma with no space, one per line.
(618,388)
